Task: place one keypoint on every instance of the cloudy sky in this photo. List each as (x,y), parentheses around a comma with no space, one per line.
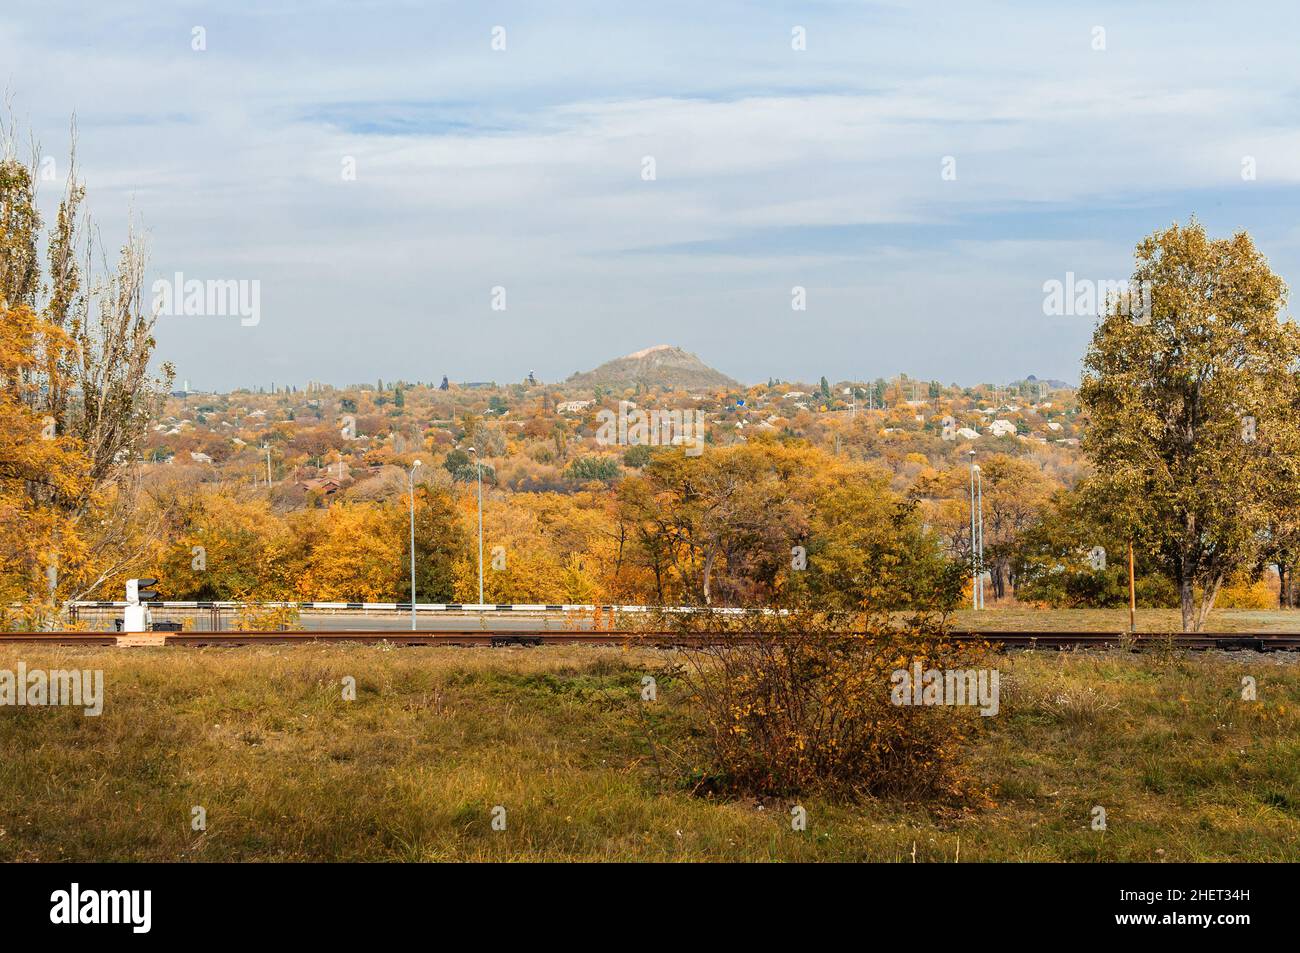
(524,168)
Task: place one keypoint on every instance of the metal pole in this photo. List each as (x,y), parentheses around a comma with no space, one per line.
(1132,592)
(478,473)
(414,466)
(974,578)
(979,496)
(478,468)
(412,550)
(268,468)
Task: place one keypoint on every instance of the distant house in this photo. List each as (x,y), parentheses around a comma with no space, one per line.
(573,406)
(1002,428)
(967,434)
(200,457)
(327,486)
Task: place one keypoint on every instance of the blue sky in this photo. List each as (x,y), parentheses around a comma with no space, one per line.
(775,167)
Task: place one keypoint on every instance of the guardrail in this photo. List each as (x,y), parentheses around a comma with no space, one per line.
(215,616)
(421,607)
(212,616)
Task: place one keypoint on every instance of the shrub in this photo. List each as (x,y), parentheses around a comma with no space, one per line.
(600,469)
(1244,594)
(797,703)
(637,456)
(255,618)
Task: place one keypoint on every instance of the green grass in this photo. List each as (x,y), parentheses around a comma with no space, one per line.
(436,738)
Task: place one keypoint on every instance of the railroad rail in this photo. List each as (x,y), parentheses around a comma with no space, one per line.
(1220,641)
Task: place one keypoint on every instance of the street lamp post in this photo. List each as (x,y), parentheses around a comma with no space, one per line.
(478,472)
(979,507)
(974,540)
(414,466)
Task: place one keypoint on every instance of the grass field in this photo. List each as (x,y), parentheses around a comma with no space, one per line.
(1116,620)
(436,738)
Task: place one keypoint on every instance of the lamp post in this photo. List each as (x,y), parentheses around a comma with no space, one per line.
(478,472)
(974,558)
(979,525)
(976,535)
(414,466)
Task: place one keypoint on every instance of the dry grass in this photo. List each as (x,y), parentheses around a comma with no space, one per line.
(288,770)
(1026,618)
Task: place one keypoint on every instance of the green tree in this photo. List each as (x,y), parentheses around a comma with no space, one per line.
(439,541)
(637,456)
(455,461)
(867,550)
(1193,406)
(1055,560)
(600,468)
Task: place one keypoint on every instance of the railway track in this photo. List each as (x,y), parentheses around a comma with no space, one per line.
(1209,641)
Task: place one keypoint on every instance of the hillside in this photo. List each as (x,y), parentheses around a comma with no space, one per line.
(661,366)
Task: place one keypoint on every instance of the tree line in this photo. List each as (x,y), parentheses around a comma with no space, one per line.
(1191,439)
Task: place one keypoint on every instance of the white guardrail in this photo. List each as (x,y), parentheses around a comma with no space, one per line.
(406,607)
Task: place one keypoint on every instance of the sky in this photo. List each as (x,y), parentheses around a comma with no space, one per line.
(417,189)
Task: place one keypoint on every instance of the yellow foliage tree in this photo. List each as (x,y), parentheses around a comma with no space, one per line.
(38,467)
(359,557)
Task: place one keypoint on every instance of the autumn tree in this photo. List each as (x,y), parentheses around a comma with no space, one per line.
(1014,493)
(91,386)
(1193,408)
(223,544)
(359,556)
(868,550)
(38,466)
(719,528)
(440,540)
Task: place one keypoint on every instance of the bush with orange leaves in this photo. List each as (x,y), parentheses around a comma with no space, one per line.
(798,702)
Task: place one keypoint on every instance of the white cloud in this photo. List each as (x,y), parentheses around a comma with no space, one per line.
(523,169)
